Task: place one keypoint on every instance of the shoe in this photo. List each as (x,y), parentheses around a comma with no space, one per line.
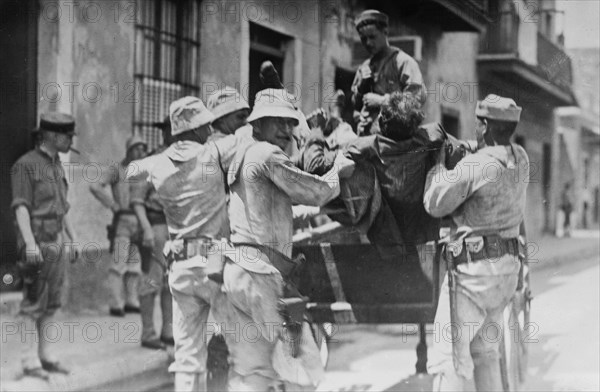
(131,309)
(168,341)
(37,373)
(117,312)
(54,367)
(154,344)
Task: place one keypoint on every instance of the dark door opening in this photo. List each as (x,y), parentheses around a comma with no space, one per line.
(18,109)
(343,81)
(265,44)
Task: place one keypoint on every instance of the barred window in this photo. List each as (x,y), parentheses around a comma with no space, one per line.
(167,47)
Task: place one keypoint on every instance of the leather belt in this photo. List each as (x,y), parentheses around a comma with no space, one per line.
(477,248)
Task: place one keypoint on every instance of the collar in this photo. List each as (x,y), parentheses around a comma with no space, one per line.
(46,155)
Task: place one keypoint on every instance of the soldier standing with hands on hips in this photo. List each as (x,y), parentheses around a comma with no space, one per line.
(487,205)
(45,237)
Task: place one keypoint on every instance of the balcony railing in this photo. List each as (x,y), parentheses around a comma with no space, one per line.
(502,37)
(554,62)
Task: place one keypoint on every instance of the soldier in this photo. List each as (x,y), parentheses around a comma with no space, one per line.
(149,211)
(124,272)
(262,192)
(190,187)
(45,236)
(230,109)
(389,69)
(485,196)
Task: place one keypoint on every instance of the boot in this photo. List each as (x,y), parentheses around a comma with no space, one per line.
(147,312)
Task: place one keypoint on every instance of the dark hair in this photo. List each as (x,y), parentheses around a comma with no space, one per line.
(500,129)
(400,116)
(381,26)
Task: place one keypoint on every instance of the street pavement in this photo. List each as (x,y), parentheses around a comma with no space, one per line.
(105,354)
(564,348)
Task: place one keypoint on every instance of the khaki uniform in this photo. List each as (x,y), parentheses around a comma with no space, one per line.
(39,183)
(485,192)
(392,71)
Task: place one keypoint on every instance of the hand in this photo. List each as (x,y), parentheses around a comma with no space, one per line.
(344,165)
(33,254)
(148,239)
(372,100)
(317,119)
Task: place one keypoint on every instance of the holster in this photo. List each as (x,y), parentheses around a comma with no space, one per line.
(111,231)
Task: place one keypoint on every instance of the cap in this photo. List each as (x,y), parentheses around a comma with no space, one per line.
(494,107)
(134,140)
(57,122)
(225,101)
(273,102)
(371,17)
(188,113)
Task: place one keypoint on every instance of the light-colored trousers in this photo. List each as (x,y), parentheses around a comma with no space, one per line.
(484,288)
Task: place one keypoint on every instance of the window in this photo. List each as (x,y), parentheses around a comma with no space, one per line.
(166,64)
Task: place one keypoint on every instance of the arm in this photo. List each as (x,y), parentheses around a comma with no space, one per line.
(32,251)
(446,190)
(411,78)
(138,191)
(98,189)
(301,187)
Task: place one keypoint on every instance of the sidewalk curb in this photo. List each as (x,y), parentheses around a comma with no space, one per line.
(114,375)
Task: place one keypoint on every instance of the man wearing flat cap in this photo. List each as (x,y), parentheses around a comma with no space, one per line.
(45,237)
(263,188)
(189,182)
(112,191)
(485,196)
(389,69)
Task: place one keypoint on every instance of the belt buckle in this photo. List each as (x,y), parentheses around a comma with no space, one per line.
(474,244)
(199,247)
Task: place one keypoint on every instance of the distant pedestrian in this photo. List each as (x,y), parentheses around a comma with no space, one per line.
(566,205)
(45,237)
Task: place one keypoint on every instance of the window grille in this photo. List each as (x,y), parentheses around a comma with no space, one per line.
(167,50)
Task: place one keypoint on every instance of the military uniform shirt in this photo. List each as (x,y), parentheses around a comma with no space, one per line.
(485,191)
(39,183)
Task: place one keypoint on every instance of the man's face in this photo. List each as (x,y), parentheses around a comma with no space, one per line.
(232,121)
(372,38)
(277,130)
(137,152)
(480,129)
(63,141)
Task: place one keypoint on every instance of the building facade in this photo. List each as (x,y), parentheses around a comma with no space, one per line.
(116,66)
(521,56)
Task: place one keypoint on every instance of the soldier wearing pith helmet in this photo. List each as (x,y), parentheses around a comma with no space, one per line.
(487,206)
(45,237)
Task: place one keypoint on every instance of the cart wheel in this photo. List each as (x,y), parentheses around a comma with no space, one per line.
(513,349)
